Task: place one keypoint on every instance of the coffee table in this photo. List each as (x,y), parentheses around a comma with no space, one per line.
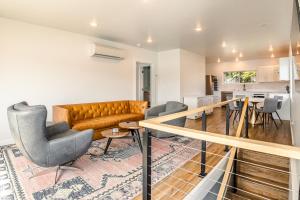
(112,135)
(133,127)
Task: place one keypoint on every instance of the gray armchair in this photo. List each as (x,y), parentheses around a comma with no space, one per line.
(166,109)
(47,146)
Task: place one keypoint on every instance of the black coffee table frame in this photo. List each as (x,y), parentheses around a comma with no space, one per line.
(135,135)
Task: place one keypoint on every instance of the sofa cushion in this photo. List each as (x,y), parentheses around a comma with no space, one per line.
(88,111)
(108,121)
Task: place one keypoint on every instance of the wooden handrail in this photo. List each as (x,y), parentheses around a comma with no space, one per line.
(233,152)
(244,143)
(166,118)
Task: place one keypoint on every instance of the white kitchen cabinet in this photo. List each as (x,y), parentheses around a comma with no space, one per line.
(276,73)
(267,73)
(284,65)
(297,71)
(196,102)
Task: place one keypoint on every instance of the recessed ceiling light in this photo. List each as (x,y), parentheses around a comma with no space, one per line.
(271,48)
(219,60)
(93,23)
(233,50)
(297,52)
(241,55)
(224,44)
(272,55)
(149,40)
(198,28)
(237,59)
(138,44)
(298,44)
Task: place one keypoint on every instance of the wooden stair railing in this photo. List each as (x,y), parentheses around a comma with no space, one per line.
(233,152)
(235,142)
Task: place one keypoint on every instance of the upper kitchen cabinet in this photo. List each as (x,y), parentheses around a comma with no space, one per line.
(284,66)
(284,69)
(267,74)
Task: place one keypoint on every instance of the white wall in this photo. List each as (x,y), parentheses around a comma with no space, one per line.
(218,69)
(168,76)
(180,73)
(192,74)
(48,66)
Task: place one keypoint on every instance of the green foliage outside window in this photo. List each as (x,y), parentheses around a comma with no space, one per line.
(240,77)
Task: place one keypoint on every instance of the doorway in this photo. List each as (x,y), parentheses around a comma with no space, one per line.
(144,82)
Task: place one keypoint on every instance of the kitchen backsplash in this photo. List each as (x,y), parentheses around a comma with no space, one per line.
(263,87)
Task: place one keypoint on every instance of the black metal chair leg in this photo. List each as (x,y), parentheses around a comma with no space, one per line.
(132,133)
(107,145)
(274,121)
(264,120)
(231,112)
(138,137)
(257,115)
(278,117)
(235,116)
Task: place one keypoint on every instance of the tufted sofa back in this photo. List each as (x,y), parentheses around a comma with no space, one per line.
(77,112)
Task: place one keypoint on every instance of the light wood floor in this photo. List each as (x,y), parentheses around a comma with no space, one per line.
(182,181)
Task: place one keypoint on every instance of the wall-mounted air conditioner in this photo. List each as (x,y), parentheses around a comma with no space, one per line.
(106,52)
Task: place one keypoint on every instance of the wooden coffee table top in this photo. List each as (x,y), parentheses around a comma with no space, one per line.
(129,125)
(109,134)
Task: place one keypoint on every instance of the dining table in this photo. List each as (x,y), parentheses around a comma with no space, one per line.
(255,101)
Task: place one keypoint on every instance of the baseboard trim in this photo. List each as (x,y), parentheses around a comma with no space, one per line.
(6,142)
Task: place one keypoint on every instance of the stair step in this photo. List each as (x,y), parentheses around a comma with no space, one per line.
(240,195)
(262,187)
(272,173)
(264,159)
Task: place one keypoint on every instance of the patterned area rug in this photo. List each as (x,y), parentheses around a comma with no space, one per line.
(116,175)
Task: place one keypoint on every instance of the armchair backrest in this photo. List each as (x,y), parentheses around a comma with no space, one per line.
(28,128)
(174,106)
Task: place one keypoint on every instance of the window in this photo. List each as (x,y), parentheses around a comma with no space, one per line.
(240,77)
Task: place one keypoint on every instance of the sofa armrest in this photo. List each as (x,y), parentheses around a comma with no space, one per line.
(138,107)
(61,114)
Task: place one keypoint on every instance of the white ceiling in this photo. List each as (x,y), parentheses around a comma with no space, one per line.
(248,25)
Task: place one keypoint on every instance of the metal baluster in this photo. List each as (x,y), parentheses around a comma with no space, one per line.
(227,124)
(234,181)
(203,147)
(147,165)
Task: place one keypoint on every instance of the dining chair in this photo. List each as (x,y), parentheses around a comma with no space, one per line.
(279,105)
(233,109)
(270,107)
(250,107)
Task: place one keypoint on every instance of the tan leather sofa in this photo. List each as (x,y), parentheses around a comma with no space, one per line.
(99,116)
